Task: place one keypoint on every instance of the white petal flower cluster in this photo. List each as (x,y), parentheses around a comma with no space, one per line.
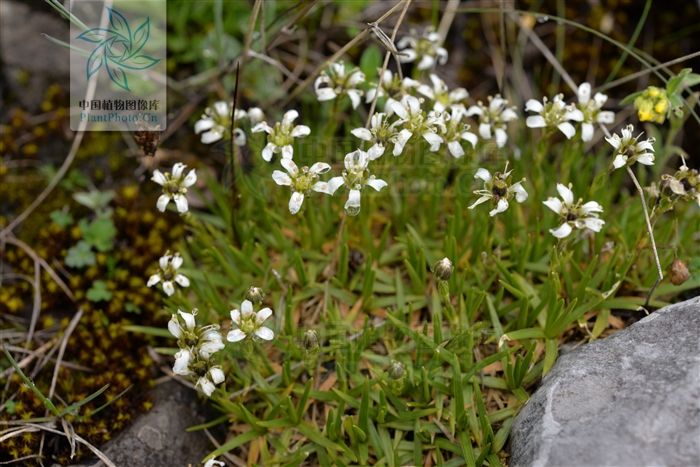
(417,122)
(393,87)
(175,187)
(280,138)
(499,189)
(250,323)
(425,49)
(575,214)
(197,345)
(456,130)
(168,276)
(338,80)
(493,118)
(215,123)
(355,177)
(382,133)
(557,114)
(442,97)
(629,149)
(592,111)
(553,114)
(302,181)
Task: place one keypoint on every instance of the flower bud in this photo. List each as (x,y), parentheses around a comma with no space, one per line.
(678,273)
(396,370)
(311,340)
(255,295)
(443,269)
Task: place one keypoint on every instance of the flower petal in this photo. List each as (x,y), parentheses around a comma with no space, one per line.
(153,280)
(158,177)
(554,204)
(300,131)
(295,202)
(182,280)
(568,129)
(619,161)
(281,178)
(376,183)
(289,117)
(168,288)
(190,179)
(325,94)
(500,207)
(562,231)
(319,168)
(235,335)
(483,174)
(535,121)
(267,152)
(162,202)
(566,194)
(174,327)
(290,166)
(362,133)
(455,149)
(265,333)
(212,136)
(287,152)
(180,203)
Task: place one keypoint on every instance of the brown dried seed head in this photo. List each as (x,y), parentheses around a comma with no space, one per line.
(678,273)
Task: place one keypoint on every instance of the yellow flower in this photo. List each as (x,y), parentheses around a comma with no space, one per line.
(652,105)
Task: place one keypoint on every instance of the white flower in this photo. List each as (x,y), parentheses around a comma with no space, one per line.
(392,86)
(591,109)
(553,114)
(457,131)
(425,49)
(499,189)
(493,118)
(440,94)
(182,362)
(214,463)
(201,341)
(355,177)
(685,184)
(415,120)
(174,187)
(336,80)
(382,133)
(577,214)
(215,123)
(197,344)
(280,139)
(249,322)
(629,149)
(207,383)
(302,181)
(168,275)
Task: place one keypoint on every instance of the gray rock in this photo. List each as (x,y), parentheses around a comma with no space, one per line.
(632,399)
(159,437)
(30,61)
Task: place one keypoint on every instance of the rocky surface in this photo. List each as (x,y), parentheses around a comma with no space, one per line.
(159,437)
(632,399)
(30,62)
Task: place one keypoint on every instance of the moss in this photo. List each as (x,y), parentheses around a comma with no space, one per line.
(99,342)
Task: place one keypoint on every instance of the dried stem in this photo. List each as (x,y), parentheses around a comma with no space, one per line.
(356,40)
(651,235)
(387,56)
